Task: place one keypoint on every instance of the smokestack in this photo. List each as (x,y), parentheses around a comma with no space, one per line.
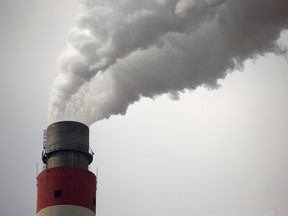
(66,186)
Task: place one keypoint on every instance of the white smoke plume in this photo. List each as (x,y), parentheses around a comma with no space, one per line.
(121,51)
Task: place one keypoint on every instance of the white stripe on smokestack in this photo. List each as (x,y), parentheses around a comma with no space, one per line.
(66,210)
(66,186)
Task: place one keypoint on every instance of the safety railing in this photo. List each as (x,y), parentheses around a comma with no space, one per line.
(60,147)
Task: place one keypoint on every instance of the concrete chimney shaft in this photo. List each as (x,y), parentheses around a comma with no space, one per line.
(67,145)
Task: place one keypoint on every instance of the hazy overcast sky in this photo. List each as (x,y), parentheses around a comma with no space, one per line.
(211,153)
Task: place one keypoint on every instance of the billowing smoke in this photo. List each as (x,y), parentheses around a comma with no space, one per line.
(121,51)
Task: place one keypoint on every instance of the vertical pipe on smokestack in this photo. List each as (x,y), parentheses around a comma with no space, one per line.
(66,187)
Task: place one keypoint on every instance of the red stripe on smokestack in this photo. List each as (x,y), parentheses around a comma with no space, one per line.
(66,186)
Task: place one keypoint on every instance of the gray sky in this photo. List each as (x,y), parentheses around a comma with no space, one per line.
(211,153)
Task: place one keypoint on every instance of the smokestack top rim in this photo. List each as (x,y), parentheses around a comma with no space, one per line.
(67,122)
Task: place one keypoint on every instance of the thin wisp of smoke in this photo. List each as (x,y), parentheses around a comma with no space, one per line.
(121,51)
